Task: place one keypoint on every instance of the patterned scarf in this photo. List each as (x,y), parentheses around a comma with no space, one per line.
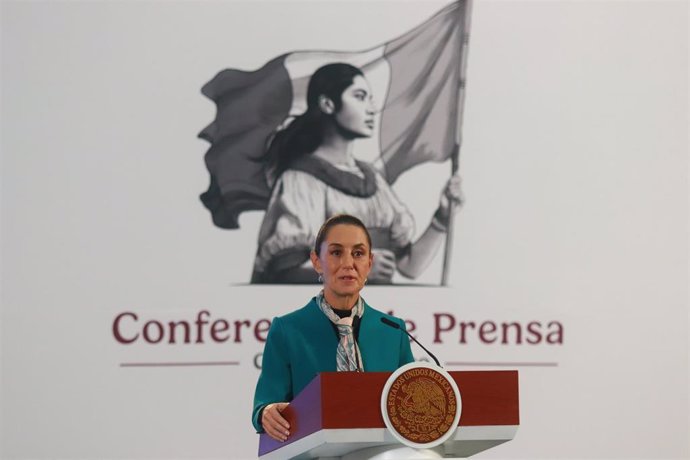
(348,357)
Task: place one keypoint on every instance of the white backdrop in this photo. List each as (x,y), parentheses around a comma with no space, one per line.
(575,167)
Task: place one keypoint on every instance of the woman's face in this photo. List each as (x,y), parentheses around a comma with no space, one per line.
(345,260)
(356,114)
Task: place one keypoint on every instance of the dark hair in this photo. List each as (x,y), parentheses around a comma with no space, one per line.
(338,219)
(305,134)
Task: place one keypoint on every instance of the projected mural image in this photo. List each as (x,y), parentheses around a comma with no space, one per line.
(317,133)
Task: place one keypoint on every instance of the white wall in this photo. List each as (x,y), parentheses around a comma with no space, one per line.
(575,167)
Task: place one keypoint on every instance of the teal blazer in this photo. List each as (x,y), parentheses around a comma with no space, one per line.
(303,343)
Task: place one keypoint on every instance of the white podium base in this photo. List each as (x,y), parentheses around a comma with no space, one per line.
(379,444)
(395,453)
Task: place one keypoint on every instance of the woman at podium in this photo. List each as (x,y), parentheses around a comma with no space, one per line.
(335,331)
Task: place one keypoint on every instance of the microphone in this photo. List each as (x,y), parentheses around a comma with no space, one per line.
(395,325)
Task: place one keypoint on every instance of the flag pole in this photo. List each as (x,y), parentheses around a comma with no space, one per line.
(455,156)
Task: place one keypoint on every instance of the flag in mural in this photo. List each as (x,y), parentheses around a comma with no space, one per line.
(416,79)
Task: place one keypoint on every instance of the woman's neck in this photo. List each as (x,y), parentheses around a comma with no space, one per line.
(345,302)
(336,149)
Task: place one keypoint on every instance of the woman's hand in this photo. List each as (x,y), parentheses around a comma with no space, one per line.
(274,423)
(452,193)
(383,267)
(451,196)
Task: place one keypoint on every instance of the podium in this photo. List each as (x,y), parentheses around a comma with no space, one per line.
(338,415)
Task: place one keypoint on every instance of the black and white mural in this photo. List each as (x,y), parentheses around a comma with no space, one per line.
(287,139)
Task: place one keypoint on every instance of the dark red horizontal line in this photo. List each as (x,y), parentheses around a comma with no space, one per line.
(502,364)
(177,364)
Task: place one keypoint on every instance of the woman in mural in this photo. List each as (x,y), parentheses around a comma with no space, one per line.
(336,331)
(315,175)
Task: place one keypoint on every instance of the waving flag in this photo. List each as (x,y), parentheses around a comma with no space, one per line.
(416,81)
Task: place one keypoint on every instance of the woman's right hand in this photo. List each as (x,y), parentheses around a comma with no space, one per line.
(383,267)
(274,423)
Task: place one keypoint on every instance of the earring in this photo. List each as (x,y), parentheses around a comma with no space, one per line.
(365,280)
(320,278)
